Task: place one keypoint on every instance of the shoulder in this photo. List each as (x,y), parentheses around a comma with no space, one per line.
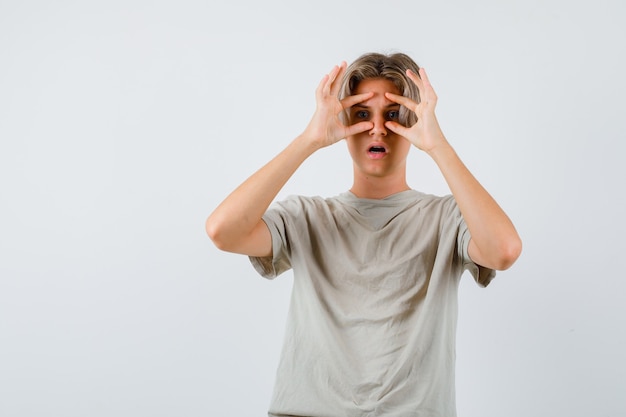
(311,202)
(304,207)
(441,203)
(302,202)
(441,210)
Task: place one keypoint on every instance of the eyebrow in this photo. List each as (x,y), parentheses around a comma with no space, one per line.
(363,106)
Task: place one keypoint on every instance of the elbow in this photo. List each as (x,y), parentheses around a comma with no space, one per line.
(215,233)
(509,253)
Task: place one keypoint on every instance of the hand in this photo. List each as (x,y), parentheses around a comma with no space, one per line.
(325,128)
(425,134)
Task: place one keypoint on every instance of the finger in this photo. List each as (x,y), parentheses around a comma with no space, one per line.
(404,101)
(424,77)
(320,87)
(427,87)
(358,128)
(358,98)
(336,82)
(329,80)
(398,129)
(415,78)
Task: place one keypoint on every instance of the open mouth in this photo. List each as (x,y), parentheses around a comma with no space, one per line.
(377,149)
(377,152)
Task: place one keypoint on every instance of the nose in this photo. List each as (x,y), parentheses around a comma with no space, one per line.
(379,126)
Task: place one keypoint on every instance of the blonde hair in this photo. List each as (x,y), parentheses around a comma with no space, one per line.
(390,67)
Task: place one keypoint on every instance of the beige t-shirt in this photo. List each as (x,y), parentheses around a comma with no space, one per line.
(371,326)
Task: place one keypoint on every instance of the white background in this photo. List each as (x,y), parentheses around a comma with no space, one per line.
(124,123)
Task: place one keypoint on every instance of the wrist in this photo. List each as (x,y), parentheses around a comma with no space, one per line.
(312,140)
(307,143)
(441,151)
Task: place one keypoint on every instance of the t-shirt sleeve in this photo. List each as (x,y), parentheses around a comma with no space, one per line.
(482,275)
(272,266)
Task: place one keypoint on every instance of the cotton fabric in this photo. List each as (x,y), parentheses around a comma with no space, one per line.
(371,328)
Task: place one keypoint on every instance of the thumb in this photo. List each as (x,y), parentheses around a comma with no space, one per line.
(358,128)
(398,129)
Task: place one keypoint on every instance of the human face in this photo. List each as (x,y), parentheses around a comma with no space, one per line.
(377,152)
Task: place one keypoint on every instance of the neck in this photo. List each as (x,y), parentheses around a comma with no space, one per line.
(378,187)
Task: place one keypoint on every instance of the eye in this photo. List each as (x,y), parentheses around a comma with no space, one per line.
(361,114)
(393,115)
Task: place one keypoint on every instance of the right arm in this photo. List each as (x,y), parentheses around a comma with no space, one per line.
(236,225)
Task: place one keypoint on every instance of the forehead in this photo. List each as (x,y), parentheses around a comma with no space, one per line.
(379,86)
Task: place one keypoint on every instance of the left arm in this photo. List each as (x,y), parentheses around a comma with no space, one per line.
(495,243)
